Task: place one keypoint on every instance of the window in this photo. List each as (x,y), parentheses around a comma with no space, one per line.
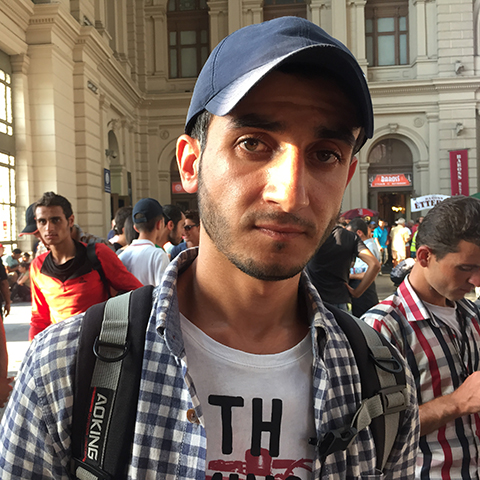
(386,28)
(187,37)
(7,199)
(281,8)
(6,117)
(7,159)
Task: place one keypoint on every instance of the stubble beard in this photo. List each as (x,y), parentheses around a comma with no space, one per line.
(218,228)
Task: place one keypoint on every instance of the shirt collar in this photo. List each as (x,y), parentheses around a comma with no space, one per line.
(414,309)
(167,316)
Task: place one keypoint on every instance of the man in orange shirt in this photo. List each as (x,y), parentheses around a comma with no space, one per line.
(66,280)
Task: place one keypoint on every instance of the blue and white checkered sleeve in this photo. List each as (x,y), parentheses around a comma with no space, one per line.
(35,429)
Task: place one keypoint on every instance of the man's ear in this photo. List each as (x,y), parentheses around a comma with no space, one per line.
(135,228)
(424,255)
(188,157)
(351,169)
(71,220)
(170,225)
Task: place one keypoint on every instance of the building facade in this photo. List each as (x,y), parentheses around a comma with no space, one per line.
(94,93)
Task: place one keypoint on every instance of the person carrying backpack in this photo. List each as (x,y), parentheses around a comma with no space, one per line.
(245,373)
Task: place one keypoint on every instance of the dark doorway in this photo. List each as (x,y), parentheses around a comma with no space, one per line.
(391,206)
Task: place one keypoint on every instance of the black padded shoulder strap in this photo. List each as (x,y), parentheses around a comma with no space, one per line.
(103,422)
(383,383)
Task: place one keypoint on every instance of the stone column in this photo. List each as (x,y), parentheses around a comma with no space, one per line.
(160,47)
(234,15)
(339,20)
(217,10)
(431,181)
(252,12)
(23,144)
(421,29)
(357,46)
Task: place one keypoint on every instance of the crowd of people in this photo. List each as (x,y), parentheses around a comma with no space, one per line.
(245,368)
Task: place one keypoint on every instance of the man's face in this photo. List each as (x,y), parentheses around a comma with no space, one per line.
(381,224)
(16,256)
(273,174)
(175,235)
(53,227)
(456,274)
(192,232)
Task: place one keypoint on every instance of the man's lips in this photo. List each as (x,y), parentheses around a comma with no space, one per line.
(281,231)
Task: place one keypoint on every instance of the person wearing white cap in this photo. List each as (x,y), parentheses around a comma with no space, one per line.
(244,368)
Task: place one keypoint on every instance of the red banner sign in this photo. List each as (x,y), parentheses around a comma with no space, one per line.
(459,172)
(391,180)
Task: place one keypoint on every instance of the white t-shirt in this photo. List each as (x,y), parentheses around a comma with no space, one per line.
(258,409)
(448,315)
(145,261)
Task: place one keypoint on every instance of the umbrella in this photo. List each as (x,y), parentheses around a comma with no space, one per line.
(358,212)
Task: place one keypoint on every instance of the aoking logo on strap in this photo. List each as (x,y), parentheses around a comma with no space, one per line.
(97,425)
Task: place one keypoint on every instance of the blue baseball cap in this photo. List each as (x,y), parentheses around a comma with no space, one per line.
(31,224)
(245,57)
(146,209)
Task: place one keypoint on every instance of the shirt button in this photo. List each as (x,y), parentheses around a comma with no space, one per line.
(192,416)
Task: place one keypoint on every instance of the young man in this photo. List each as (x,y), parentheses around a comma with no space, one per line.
(438,331)
(119,240)
(244,368)
(174,223)
(64,281)
(142,258)
(329,269)
(369,298)
(400,236)
(11,265)
(380,235)
(191,233)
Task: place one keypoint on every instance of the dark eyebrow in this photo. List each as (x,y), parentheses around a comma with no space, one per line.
(48,218)
(252,120)
(343,134)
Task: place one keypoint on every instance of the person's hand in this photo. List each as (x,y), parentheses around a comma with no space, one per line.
(5,389)
(467,395)
(6,309)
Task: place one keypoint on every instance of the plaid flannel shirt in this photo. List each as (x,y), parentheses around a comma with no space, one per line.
(433,354)
(35,430)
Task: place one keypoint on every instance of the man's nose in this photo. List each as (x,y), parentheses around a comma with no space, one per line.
(475,278)
(286,180)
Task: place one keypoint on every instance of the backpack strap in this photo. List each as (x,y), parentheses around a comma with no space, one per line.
(384,392)
(107,381)
(97,265)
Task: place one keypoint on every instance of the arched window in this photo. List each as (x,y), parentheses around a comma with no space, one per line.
(386,28)
(7,155)
(282,8)
(188,37)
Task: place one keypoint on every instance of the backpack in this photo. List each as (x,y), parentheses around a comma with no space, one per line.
(107,381)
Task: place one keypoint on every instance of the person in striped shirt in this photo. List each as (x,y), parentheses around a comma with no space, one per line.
(438,331)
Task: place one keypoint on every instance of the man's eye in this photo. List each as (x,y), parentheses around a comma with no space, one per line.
(327,156)
(251,144)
